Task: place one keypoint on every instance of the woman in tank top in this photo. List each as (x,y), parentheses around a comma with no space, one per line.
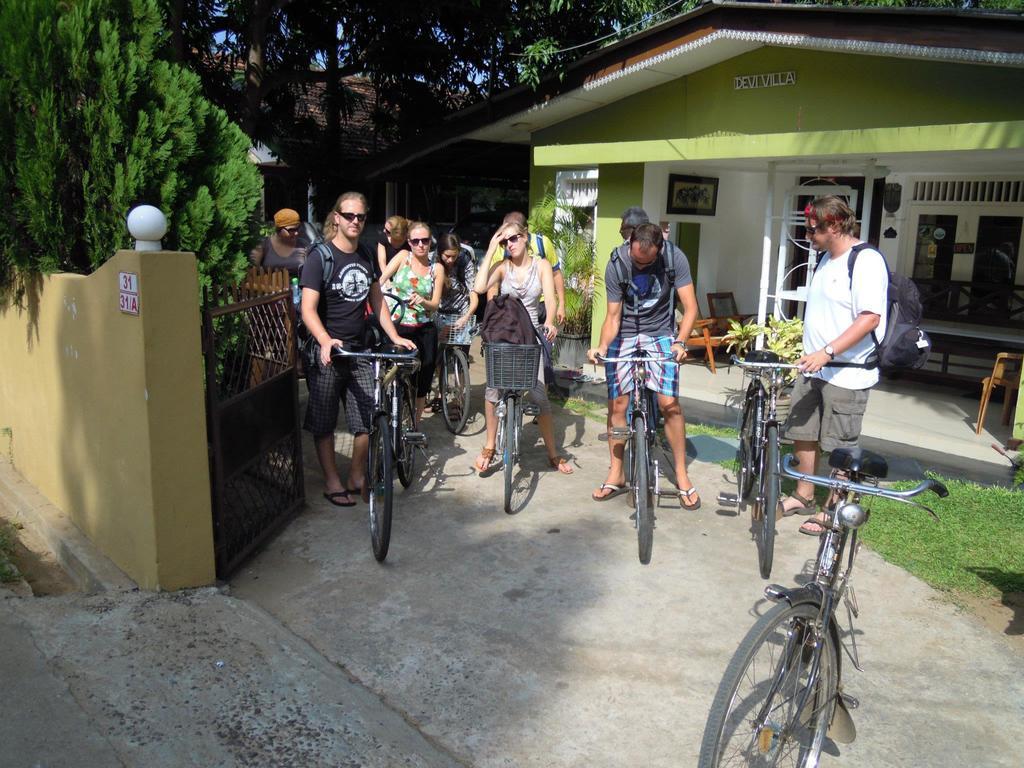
(419,283)
(526,277)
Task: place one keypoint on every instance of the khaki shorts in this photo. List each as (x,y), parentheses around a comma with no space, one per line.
(826,414)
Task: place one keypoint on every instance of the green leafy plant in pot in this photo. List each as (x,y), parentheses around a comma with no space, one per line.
(783,337)
(565,227)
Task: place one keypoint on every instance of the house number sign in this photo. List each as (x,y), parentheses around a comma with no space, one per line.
(768,80)
(128,283)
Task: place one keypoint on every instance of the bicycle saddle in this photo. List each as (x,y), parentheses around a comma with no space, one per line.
(860,461)
(762,356)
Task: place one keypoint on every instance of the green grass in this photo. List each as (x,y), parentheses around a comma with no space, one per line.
(976,548)
(8,535)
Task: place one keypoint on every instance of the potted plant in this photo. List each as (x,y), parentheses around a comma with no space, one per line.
(783,337)
(565,228)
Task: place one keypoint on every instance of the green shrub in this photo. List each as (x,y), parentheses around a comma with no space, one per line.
(92,123)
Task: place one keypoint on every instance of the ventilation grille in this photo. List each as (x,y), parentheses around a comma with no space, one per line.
(969,191)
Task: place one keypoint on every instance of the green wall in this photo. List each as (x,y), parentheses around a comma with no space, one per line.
(832,92)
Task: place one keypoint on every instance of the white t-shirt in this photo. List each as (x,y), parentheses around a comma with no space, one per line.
(832,307)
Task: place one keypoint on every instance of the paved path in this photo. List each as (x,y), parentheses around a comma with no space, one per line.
(537,639)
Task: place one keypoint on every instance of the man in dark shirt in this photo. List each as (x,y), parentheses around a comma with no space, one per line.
(335,315)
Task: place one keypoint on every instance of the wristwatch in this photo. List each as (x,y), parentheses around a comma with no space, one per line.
(677,341)
(830,351)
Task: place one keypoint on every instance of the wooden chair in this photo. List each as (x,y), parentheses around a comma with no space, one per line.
(701,337)
(1001,377)
(722,308)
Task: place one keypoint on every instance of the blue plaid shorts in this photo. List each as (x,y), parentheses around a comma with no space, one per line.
(661,377)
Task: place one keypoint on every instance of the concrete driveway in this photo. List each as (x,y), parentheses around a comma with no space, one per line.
(538,639)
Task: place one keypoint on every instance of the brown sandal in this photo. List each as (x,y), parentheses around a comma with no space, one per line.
(487,454)
(558,462)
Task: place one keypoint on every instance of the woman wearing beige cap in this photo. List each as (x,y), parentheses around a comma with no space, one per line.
(282,250)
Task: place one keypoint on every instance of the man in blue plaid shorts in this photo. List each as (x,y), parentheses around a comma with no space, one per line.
(644,277)
(335,314)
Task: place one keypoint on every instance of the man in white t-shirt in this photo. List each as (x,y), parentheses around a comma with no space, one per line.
(841,314)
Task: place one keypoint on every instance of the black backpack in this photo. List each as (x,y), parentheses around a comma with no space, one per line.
(904,345)
(327,257)
(624,275)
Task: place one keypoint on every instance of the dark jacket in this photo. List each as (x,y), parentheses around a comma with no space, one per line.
(507,320)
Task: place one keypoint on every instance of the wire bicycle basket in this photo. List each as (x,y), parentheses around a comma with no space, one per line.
(512,366)
(447,333)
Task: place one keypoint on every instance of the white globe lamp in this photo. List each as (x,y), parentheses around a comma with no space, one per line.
(147,225)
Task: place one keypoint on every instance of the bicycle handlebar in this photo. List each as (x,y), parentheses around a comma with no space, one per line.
(929,484)
(342,352)
(780,366)
(634,359)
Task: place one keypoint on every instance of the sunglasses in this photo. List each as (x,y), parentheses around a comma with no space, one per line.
(510,240)
(387,232)
(817,228)
(291,230)
(419,241)
(349,216)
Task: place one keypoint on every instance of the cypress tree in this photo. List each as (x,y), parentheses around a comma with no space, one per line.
(92,122)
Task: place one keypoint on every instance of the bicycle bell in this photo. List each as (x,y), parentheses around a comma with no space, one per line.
(852,515)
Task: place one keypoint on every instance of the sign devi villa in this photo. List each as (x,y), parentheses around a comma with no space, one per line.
(769,80)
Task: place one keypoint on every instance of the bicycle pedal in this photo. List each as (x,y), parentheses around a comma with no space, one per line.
(728,499)
(415,438)
(531,410)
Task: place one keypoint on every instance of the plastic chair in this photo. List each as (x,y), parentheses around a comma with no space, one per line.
(1000,377)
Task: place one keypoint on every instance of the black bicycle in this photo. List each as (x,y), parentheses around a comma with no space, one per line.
(757,456)
(394,433)
(513,370)
(453,370)
(782,693)
(640,435)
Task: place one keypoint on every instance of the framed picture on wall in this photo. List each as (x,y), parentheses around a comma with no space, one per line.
(695,195)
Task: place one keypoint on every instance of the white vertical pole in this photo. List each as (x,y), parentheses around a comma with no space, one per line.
(766,250)
(870,170)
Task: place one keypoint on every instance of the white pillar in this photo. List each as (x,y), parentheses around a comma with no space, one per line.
(766,250)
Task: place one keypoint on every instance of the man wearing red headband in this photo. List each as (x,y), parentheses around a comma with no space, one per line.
(841,314)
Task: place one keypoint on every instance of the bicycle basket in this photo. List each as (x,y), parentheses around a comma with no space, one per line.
(512,366)
(447,333)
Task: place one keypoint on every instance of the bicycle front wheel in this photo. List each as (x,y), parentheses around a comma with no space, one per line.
(405,451)
(746,454)
(775,702)
(454,389)
(511,451)
(643,498)
(764,510)
(381,486)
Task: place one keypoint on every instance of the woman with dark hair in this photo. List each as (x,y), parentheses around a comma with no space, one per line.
(457,294)
(419,284)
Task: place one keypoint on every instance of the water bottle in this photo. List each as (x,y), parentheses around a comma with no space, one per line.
(296,292)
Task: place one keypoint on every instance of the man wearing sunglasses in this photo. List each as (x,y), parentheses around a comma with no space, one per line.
(842,312)
(644,278)
(334,312)
(537,245)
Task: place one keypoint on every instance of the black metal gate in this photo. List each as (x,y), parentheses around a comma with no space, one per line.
(252,412)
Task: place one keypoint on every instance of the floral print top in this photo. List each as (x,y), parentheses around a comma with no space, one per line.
(405,283)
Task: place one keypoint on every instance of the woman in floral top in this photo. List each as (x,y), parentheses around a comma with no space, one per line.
(419,283)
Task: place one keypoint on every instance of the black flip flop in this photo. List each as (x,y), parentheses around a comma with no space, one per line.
(684,496)
(333,498)
(616,490)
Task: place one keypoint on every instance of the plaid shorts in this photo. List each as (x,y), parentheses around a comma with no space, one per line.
(351,379)
(661,377)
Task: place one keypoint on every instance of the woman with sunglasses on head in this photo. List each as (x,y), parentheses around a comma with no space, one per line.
(527,277)
(457,294)
(418,283)
(285,249)
(393,240)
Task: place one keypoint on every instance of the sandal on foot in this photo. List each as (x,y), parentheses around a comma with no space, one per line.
(339,498)
(561,464)
(486,457)
(613,491)
(805,507)
(813,528)
(357,493)
(685,496)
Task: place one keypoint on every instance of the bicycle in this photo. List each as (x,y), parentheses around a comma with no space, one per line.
(789,663)
(640,433)
(512,369)
(453,370)
(394,434)
(759,450)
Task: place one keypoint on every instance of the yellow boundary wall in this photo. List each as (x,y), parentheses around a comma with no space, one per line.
(104,412)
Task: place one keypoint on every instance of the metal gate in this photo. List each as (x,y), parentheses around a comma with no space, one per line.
(252,412)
